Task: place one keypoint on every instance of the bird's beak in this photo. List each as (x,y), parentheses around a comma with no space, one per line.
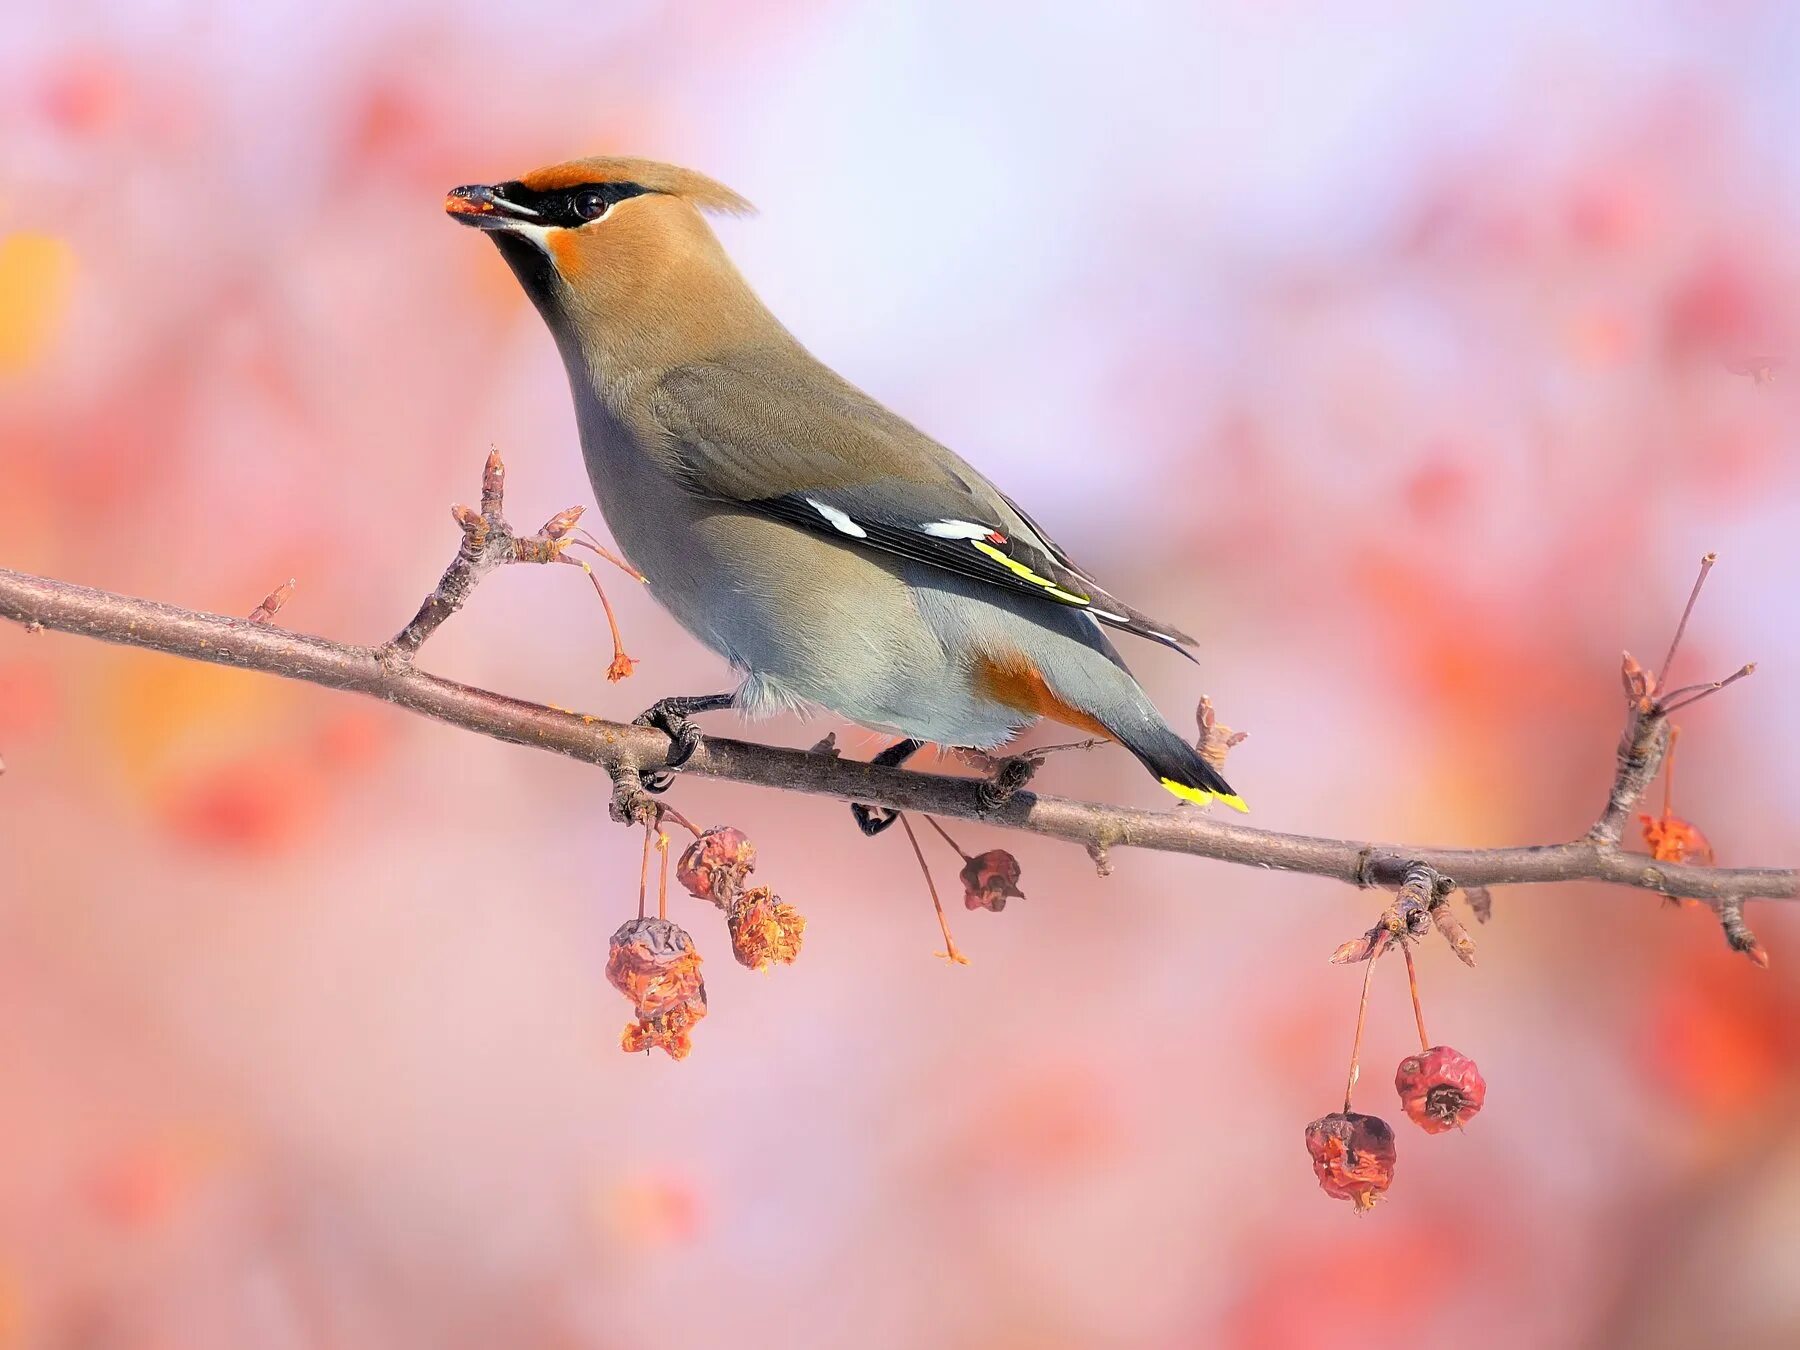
(485,209)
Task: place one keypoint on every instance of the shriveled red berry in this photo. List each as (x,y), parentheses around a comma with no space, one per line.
(653,963)
(716,863)
(1440,1088)
(1353,1156)
(764,929)
(991,879)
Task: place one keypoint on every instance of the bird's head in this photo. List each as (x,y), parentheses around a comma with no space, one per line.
(614,252)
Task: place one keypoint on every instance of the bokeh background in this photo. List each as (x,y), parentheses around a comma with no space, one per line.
(1411,357)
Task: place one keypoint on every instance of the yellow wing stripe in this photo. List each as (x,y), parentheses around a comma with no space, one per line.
(1020,569)
(1200,796)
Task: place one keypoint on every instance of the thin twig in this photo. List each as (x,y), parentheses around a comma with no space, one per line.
(618,746)
(1706,565)
(489,542)
(388,673)
(1700,691)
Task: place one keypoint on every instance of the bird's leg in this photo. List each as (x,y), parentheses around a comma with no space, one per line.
(670,716)
(872,820)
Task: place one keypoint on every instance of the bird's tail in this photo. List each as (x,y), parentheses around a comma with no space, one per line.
(1178,766)
(1104,692)
(1061,665)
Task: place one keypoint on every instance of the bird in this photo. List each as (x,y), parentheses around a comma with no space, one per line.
(833,554)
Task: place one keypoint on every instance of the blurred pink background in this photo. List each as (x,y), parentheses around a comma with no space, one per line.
(1408,356)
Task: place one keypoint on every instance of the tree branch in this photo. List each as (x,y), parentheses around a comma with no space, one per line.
(387,672)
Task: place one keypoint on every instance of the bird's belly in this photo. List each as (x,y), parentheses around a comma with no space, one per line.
(810,621)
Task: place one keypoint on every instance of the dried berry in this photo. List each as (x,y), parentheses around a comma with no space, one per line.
(1673,840)
(715,865)
(1669,838)
(1440,1088)
(1353,1156)
(990,880)
(653,963)
(764,929)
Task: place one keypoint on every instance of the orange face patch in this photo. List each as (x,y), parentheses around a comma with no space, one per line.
(1013,681)
(565,247)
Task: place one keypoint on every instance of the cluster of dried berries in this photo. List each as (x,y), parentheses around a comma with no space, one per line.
(653,963)
(764,928)
(1353,1154)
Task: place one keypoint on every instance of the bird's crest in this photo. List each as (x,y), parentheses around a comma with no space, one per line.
(705,193)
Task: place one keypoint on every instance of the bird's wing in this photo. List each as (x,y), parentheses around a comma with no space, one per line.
(805,447)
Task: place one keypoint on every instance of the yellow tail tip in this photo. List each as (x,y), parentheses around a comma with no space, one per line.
(1200,796)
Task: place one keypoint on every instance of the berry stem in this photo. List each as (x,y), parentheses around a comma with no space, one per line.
(620,662)
(580,535)
(662,882)
(1362,1012)
(932,821)
(1412,982)
(671,813)
(1669,772)
(949,953)
(644,873)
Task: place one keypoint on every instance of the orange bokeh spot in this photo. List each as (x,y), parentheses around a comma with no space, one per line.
(37,272)
(653,1211)
(259,803)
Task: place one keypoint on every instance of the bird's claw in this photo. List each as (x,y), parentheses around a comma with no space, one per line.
(670,716)
(872,820)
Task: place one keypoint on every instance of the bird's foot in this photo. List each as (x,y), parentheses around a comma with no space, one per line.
(671,717)
(872,820)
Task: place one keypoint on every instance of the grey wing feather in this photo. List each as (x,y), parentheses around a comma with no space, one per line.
(819,454)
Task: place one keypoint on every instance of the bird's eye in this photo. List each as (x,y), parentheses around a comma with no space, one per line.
(590,205)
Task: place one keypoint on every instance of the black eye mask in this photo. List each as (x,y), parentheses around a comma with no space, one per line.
(568,207)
